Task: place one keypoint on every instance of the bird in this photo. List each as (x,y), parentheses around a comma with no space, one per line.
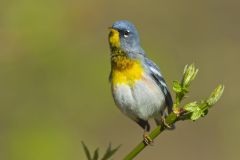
(138,87)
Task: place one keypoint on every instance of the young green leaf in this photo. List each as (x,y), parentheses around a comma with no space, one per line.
(215,95)
(191,107)
(109,152)
(177,87)
(96,155)
(87,153)
(197,114)
(189,75)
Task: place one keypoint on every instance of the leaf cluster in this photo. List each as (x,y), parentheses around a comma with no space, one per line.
(193,110)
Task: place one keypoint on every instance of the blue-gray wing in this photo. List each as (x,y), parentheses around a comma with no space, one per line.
(157,76)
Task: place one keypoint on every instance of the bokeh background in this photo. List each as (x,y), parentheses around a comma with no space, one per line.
(54,66)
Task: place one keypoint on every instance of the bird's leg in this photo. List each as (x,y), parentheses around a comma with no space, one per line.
(146,139)
(145,125)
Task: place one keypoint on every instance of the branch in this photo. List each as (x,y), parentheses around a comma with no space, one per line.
(191,111)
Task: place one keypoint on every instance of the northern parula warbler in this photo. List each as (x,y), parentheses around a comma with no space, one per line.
(138,87)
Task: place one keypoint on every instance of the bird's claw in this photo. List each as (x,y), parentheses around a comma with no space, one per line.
(167,125)
(147,139)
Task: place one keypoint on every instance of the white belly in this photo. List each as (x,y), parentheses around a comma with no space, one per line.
(142,100)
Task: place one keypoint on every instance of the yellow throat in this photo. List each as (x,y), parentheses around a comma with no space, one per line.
(114,39)
(124,69)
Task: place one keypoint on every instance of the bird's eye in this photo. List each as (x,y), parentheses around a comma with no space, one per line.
(126,33)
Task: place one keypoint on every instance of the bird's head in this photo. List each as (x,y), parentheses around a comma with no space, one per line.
(124,36)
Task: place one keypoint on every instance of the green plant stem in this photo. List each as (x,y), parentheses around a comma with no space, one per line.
(170,119)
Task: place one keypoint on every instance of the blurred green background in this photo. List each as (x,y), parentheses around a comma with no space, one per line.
(54,66)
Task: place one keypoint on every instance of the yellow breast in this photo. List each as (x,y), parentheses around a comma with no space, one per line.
(125,70)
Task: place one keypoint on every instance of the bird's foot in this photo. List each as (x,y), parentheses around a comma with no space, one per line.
(166,125)
(147,140)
